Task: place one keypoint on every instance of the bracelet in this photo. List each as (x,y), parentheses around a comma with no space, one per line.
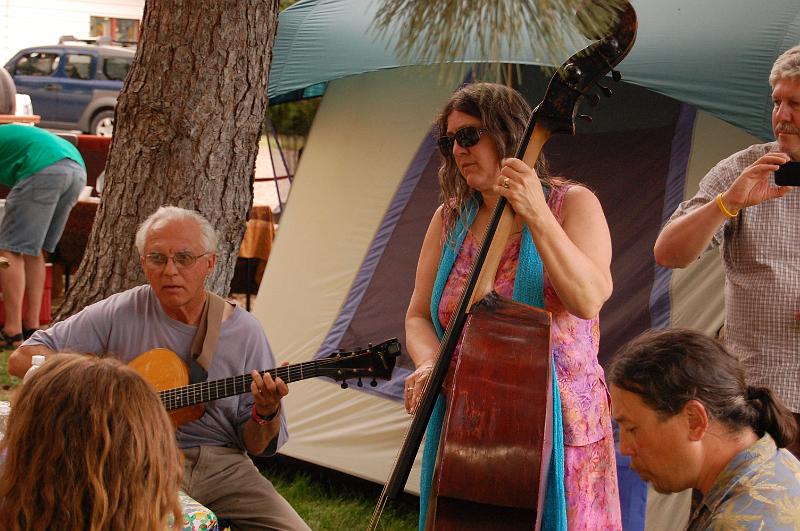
(263,421)
(728,214)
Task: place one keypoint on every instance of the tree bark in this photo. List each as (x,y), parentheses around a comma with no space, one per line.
(186,133)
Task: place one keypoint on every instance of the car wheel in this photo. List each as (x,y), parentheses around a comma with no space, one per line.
(103,123)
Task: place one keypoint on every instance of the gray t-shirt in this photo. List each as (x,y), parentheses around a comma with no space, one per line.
(130,323)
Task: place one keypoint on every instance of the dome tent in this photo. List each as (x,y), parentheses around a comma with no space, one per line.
(694,90)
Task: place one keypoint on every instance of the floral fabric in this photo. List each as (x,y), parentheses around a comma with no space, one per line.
(589,460)
(759,489)
(197,517)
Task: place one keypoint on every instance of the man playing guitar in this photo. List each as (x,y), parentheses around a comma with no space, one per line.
(177,249)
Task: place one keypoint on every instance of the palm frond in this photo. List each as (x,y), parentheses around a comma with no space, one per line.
(441,31)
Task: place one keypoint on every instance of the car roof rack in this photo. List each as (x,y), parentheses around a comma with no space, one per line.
(72,38)
(104,40)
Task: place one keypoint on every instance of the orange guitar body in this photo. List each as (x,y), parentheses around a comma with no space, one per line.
(165,370)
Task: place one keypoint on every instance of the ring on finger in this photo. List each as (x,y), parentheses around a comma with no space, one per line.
(505,182)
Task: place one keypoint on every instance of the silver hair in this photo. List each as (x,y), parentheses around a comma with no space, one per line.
(166,214)
(786,65)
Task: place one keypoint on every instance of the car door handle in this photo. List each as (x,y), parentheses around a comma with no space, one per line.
(52,87)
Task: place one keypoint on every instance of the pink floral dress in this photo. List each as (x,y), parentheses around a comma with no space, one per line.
(590,471)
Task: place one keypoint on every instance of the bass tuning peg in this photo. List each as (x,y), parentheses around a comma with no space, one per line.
(360,383)
(607,92)
(344,384)
(373,383)
(616,76)
(572,74)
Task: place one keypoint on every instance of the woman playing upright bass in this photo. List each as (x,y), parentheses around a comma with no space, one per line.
(558,224)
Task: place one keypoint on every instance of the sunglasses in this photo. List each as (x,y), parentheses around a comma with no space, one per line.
(466,138)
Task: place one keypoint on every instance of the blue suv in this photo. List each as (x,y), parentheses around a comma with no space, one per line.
(73,86)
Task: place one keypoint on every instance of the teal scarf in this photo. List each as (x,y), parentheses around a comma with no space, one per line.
(528,289)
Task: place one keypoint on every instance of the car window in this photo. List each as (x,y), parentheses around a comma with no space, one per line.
(116,68)
(36,64)
(78,66)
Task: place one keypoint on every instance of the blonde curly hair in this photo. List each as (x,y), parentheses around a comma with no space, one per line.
(89,446)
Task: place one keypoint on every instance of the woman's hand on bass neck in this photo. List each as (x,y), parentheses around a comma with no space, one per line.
(520,185)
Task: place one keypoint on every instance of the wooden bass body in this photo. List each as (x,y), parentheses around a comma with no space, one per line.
(498,426)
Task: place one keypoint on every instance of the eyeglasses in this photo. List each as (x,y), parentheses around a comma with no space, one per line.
(466,138)
(181,259)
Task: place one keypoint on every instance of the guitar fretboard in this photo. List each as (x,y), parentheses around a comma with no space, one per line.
(198,393)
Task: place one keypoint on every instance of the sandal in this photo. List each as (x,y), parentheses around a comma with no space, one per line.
(7,341)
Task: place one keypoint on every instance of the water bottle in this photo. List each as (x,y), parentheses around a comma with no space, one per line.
(36,362)
(5,411)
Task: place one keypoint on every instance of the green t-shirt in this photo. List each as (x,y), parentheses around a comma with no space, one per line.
(24,150)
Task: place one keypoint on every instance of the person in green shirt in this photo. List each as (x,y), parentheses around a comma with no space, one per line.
(46,174)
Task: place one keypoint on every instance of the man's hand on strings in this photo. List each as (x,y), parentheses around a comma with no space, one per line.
(267,392)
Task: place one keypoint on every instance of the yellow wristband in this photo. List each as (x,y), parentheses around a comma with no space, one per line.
(728,214)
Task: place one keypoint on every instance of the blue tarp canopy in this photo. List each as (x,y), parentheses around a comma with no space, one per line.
(714,54)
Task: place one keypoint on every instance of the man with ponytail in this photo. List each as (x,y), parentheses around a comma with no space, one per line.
(689,420)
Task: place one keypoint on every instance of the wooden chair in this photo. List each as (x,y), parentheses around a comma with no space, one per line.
(254,252)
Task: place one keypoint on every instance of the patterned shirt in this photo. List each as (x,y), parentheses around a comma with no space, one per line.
(759,489)
(761,254)
(574,341)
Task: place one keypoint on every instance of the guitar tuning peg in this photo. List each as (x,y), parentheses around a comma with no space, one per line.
(344,384)
(585,117)
(616,76)
(373,383)
(360,383)
(607,92)
(593,99)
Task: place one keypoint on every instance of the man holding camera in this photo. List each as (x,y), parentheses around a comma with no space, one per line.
(757,225)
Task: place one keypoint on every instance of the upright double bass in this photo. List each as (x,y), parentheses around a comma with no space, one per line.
(498,481)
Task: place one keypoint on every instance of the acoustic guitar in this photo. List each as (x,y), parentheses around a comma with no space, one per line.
(170,376)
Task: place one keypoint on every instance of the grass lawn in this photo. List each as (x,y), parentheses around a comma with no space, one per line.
(7,382)
(326,500)
(329,500)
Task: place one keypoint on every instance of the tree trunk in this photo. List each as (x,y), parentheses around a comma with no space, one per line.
(186,133)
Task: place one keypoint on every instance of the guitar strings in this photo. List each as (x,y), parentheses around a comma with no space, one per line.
(202,391)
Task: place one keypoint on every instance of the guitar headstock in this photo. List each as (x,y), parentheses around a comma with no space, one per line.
(580,73)
(373,361)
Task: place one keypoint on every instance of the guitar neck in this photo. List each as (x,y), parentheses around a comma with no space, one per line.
(198,393)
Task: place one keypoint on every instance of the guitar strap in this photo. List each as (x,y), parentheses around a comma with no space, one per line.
(205,339)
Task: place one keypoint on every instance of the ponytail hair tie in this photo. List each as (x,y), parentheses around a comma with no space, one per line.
(755,393)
